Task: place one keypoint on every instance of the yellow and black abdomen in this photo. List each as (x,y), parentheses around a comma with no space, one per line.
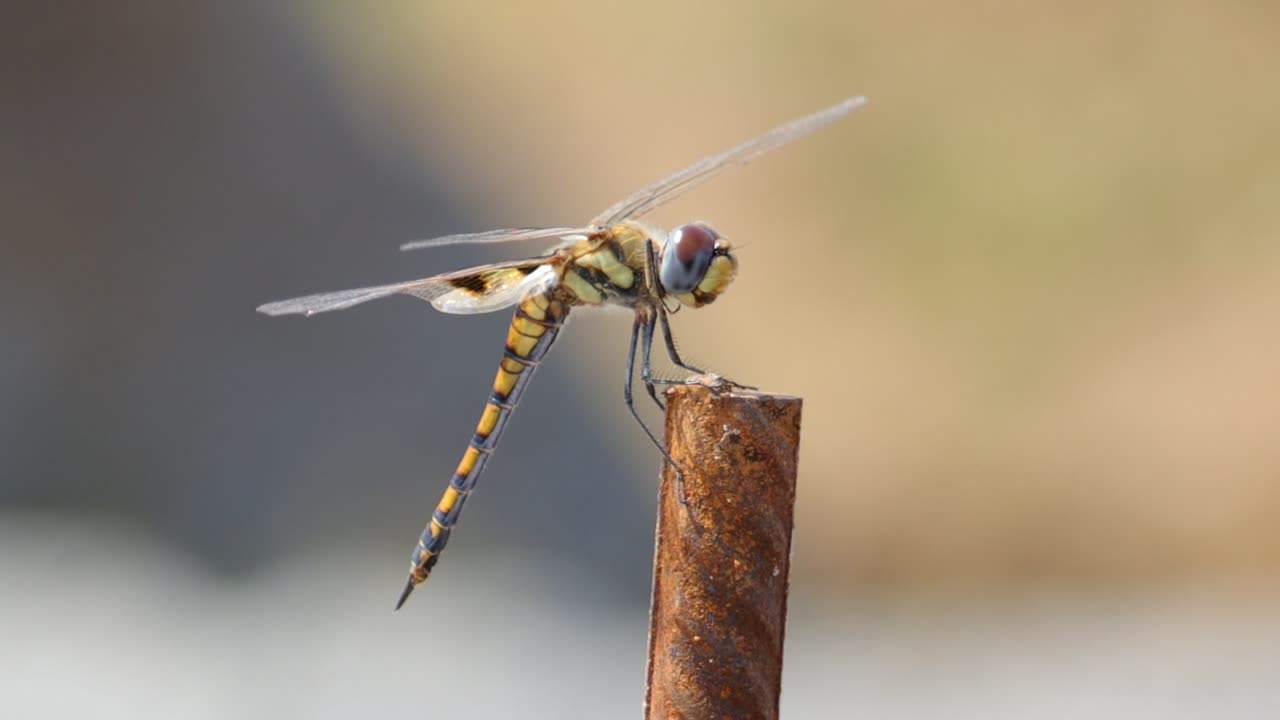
(533,329)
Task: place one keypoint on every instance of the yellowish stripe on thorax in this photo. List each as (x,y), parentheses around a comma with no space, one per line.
(604,260)
(585,291)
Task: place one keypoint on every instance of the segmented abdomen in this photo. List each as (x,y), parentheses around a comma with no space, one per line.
(533,329)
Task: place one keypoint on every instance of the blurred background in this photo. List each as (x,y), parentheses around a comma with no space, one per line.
(1030,294)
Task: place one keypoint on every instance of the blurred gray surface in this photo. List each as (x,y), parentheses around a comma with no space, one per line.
(167,170)
(115,625)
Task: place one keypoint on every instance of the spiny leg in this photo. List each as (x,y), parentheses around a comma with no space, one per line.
(638,327)
(667,338)
(643,324)
(670,342)
(646,371)
(646,375)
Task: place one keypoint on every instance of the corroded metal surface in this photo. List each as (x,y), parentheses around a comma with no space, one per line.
(722,560)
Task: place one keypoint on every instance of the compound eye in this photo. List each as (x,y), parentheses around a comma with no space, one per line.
(686,257)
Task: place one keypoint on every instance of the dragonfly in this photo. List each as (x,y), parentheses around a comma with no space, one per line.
(612,260)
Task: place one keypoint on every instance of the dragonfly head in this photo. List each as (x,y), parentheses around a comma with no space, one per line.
(697,264)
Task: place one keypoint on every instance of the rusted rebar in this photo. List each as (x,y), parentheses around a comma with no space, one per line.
(722,561)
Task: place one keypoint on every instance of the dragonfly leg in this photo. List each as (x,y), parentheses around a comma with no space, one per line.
(669,340)
(646,371)
(644,325)
(651,255)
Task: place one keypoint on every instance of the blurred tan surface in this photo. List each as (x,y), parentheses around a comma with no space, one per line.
(1030,293)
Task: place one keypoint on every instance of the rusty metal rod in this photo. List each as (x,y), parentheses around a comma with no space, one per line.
(722,556)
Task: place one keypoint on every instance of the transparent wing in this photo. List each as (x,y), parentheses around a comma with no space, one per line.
(477,290)
(495,236)
(672,186)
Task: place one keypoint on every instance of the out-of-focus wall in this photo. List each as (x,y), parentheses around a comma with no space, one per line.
(1029,294)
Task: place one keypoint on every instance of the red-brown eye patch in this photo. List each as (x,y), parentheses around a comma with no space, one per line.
(694,240)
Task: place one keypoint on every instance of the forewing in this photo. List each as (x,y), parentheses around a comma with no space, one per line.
(672,186)
(496,236)
(477,290)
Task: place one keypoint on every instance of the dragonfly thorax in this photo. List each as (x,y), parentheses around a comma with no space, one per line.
(697,264)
